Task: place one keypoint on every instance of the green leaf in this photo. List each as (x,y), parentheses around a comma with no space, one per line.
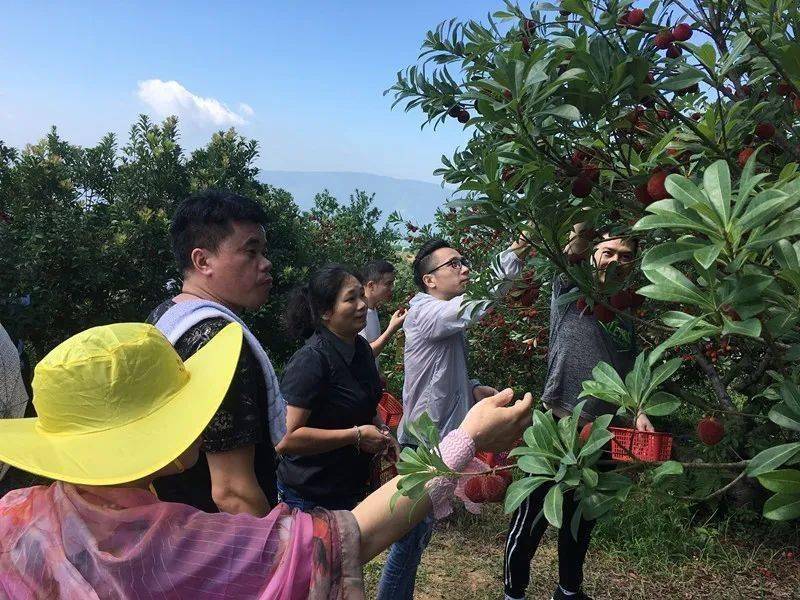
(783,481)
(668,468)
(686,78)
(772,458)
(553,506)
(563,111)
(536,465)
(748,327)
(671,285)
(590,477)
(611,481)
(782,507)
(661,404)
(707,255)
(689,332)
(663,372)
(596,505)
(521,489)
(789,58)
(707,55)
(717,184)
(785,417)
(599,436)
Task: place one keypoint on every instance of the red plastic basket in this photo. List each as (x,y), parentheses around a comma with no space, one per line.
(390,410)
(647,446)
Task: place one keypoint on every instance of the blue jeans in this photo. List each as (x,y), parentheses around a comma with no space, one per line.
(290,497)
(400,571)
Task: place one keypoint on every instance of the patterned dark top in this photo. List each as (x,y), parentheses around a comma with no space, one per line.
(240,421)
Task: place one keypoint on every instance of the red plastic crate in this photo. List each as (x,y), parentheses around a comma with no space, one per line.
(629,444)
(390,410)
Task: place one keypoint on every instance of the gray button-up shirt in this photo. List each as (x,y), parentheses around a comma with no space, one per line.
(436,379)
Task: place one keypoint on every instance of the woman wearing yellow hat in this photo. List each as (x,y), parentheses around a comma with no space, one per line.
(118,408)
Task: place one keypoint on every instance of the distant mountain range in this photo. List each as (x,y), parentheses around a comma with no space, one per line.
(415,200)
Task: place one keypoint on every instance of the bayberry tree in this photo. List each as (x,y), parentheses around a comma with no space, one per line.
(676,123)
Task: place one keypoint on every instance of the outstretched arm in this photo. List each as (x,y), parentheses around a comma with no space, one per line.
(395,323)
(491,424)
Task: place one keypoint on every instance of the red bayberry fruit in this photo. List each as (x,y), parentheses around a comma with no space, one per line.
(474,490)
(636,299)
(603,314)
(591,172)
(745,155)
(586,431)
(682,32)
(765,131)
(797,104)
(454,110)
(663,39)
(784,89)
(662,114)
(621,300)
(507,94)
(577,158)
(581,187)
(494,488)
(529,296)
(710,431)
(463,116)
(674,51)
(529,25)
(696,116)
(655,185)
(526,44)
(635,17)
(580,303)
(506,475)
(641,194)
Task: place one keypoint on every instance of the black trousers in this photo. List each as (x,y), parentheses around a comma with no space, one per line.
(524,534)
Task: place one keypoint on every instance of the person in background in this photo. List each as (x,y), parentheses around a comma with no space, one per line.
(13,397)
(219,243)
(100,532)
(578,342)
(378,277)
(332,389)
(436,374)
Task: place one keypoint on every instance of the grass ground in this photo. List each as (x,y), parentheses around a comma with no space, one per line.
(634,555)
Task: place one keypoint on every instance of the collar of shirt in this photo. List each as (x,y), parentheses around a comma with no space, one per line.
(347,351)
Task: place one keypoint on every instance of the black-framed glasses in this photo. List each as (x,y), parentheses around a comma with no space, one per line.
(454,263)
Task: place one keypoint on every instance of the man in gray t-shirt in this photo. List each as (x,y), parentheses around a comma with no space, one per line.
(579,340)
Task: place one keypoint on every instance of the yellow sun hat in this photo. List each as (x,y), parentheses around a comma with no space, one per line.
(116,403)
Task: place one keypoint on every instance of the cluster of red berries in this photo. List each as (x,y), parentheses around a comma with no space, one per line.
(588,173)
(666,38)
(633,17)
(713,353)
(459,112)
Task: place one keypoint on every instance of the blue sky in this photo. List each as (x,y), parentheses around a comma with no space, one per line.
(303,78)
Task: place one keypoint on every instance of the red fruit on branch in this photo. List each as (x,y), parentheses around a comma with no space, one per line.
(682,32)
(474,490)
(507,173)
(507,94)
(636,299)
(710,431)
(581,187)
(663,39)
(662,114)
(696,116)
(586,431)
(455,110)
(506,475)
(463,116)
(634,17)
(621,300)
(578,157)
(784,89)
(591,172)
(529,25)
(745,155)
(674,51)
(529,296)
(603,314)
(642,196)
(655,185)
(526,44)
(494,488)
(580,303)
(765,131)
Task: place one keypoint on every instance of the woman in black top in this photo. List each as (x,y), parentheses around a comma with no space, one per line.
(332,389)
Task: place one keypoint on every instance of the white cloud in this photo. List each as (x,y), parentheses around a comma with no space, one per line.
(171,98)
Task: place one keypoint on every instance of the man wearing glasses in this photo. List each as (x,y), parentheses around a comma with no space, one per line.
(436,377)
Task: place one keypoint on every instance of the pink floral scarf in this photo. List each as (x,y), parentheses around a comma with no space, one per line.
(64,541)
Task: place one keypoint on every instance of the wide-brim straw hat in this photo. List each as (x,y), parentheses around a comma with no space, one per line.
(116,403)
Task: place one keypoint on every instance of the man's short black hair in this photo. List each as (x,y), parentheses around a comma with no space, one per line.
(375,269)
(423,261)
(204,219)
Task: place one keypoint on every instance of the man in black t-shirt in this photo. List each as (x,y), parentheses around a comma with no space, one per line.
(219,242)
